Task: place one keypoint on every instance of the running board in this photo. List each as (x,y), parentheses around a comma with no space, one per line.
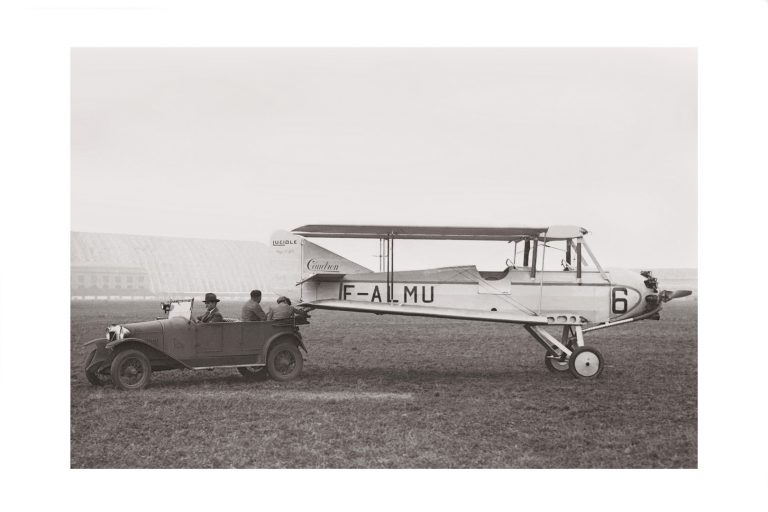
(224,366)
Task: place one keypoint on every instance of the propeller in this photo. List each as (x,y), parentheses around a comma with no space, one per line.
(668,295)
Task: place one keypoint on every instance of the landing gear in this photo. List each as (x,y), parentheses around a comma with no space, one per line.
(555,364)
(586,363)
(568,353)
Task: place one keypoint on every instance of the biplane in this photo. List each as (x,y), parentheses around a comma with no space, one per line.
(579,297)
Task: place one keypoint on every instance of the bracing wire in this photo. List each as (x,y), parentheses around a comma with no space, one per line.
(505,298)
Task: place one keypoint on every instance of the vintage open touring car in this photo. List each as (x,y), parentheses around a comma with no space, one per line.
(130,352)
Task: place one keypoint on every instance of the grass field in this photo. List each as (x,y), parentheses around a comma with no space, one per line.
(401,392)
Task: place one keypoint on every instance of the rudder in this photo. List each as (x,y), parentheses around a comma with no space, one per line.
(294,259)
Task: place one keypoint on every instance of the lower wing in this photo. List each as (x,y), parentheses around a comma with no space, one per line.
(404,309)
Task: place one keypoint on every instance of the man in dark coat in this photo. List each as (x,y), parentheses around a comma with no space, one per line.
(283,309)
(212,313)
(252,311)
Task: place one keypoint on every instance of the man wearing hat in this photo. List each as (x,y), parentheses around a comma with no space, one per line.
(283,309)
(212,313)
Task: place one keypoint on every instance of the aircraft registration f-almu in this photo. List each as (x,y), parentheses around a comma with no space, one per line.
(580,298)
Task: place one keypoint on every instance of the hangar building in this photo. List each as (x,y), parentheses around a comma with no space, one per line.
(132,266)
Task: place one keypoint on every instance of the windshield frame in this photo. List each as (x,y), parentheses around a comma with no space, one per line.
(180,308)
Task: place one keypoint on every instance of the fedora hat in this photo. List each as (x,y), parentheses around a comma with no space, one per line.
(210,297)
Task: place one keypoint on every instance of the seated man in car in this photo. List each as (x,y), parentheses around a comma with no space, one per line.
(212,313)
(252,311)
(283,309)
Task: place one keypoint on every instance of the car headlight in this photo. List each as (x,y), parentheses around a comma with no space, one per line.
(117,332)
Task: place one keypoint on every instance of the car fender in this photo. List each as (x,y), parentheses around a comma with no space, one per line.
(99,342)
(284,334)
(113,345)
(99,357)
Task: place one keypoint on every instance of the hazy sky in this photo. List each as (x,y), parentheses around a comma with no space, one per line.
(236,143)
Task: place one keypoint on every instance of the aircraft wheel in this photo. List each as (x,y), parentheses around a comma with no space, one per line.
(586,363)
(131,370)
(555,365)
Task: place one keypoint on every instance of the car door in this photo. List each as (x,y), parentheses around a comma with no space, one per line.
(179,339)
(209,339)
(221,344)
(255,336)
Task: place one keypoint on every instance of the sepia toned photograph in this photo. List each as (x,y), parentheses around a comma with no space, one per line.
(370,258)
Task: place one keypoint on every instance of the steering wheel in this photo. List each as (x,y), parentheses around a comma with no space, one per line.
(509,263)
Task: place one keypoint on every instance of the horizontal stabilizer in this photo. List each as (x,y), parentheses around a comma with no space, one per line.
(325,278)
(408,310)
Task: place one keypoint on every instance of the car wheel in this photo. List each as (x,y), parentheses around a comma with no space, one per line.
(131,370)
(255,373)
(284,361)
(95,378)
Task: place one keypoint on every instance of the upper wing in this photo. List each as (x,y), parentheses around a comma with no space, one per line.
(439,232)
(404,309)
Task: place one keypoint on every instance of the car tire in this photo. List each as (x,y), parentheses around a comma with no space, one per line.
(284,361)
(96,379)
(131,370)
(254,373)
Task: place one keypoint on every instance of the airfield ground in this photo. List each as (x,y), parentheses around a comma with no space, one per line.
(400,392)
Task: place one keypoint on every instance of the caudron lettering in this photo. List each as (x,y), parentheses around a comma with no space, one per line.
(322,266)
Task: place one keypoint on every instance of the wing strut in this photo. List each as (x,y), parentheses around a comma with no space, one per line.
(387,263)
(526,252)
(389,266)
(391,269)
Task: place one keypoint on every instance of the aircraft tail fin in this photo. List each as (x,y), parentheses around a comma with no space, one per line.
(294,259)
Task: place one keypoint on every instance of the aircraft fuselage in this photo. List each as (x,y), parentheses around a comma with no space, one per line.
(594,299)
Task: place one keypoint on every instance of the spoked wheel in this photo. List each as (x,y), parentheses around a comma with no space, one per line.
(131,370)
(254,373)
(284,361)
(555,364)
(586,363)
(95,378)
